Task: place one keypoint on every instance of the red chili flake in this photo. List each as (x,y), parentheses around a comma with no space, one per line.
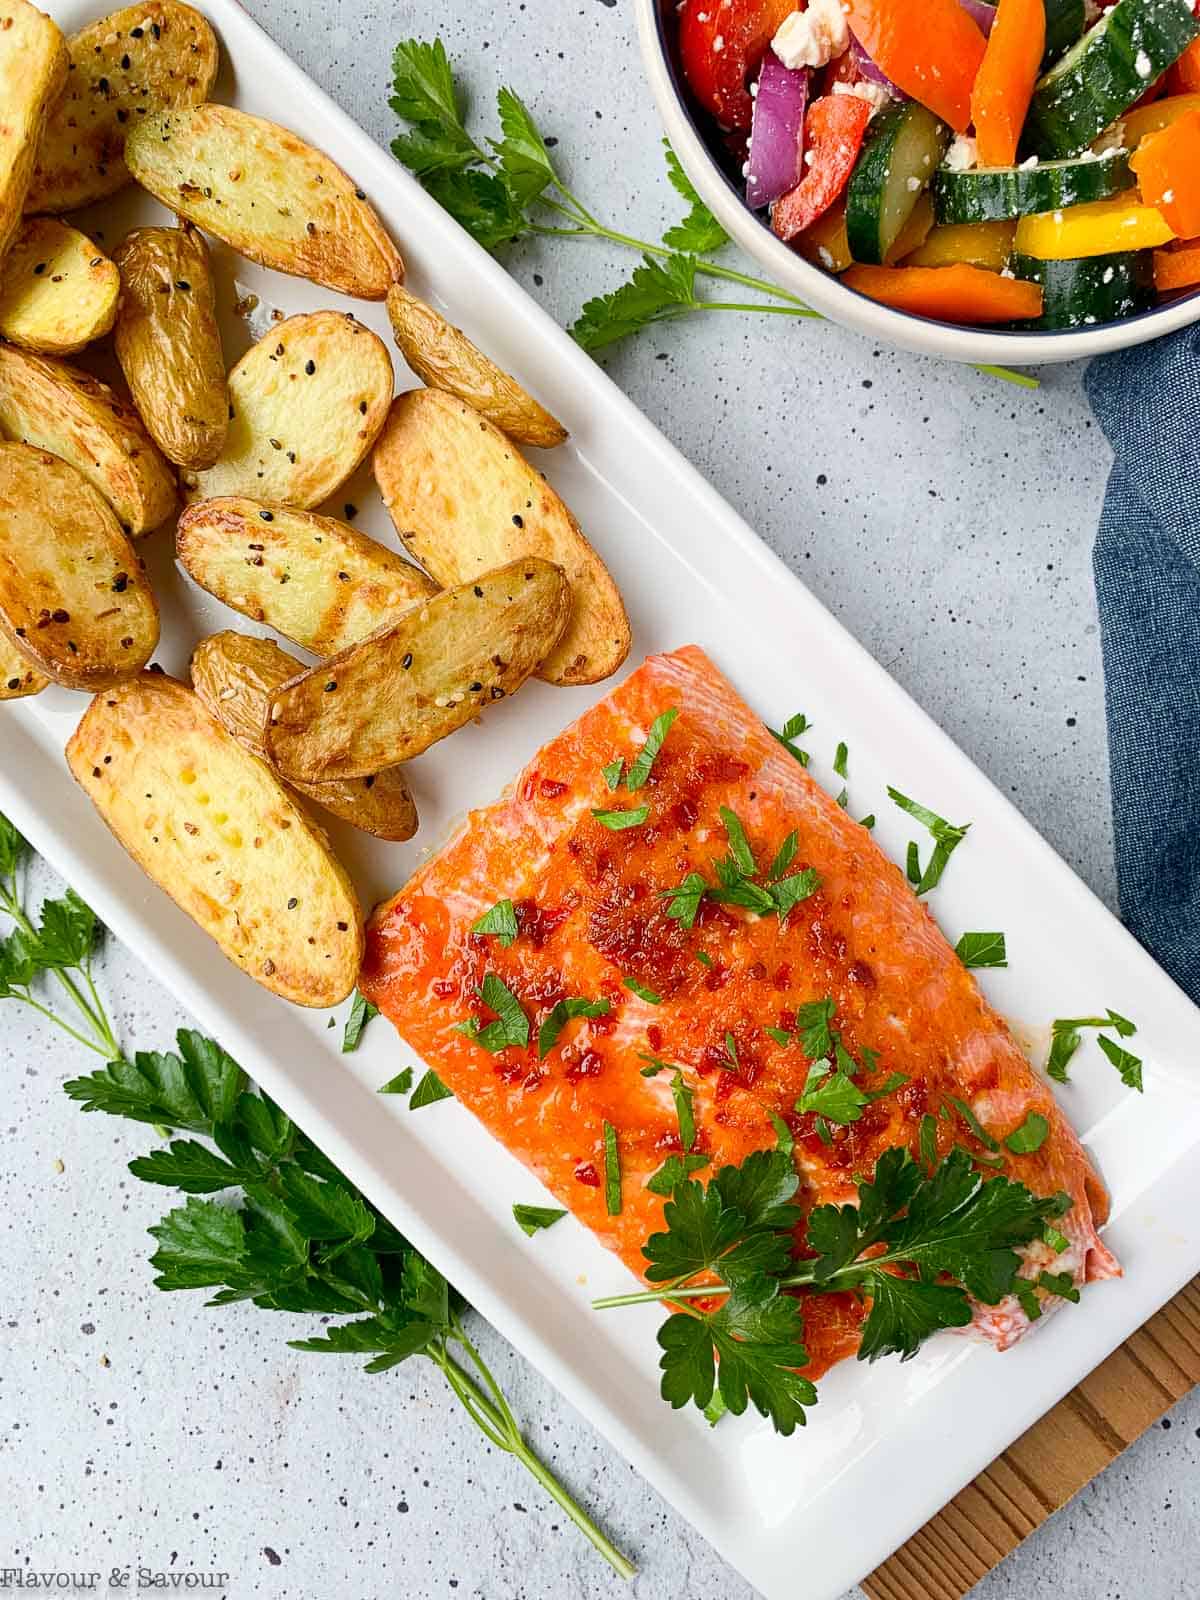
(913,1100)
(551,788)
(757,971)
(585,1172)
(589,1065)
(786,1020)
(685,815)
(534,1080)
(861,974)
(726,1084)
(654,1036)
(783,978)
(669,1140)
(716,978)
(443,988)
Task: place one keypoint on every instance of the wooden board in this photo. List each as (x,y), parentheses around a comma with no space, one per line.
(1052,1462)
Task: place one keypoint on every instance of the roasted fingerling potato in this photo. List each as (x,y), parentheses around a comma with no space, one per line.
(169,344)
(268,194)
(306,404)
(464,500)
(73,597)
(443,357)
(315,580)
(59,408)
(58,290)
(215,828)
(17,677)
(419,678)
(236,676)
(33,71)
(123,68)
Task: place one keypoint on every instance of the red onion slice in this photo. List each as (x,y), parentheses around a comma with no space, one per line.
(981,13)
(873,74)
(777,132)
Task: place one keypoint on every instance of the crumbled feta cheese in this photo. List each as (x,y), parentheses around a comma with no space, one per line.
(912,185)
(1109,275)
(1168,196)
(1143,67)
(1030,165)
(828,261)
(718,44)
(875,95)
(962,155)
(814,37)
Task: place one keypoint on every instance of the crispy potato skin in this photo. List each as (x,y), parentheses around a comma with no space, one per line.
(317,581)
(169,344)
(416,680)
(464,500)
(443,357)
(268,193)
(215,828)
(58,290)
(308,401)
(33,72)
(59,408)
(17,677)
(73,597)
(236,676)
(124,66)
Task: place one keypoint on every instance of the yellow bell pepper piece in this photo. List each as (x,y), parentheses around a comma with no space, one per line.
(1100,228)
(914,232)
(1136,124)
(979,244)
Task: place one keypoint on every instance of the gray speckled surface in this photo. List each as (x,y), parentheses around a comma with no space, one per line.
(947,519)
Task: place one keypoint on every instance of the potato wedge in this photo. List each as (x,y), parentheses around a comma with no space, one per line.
(215,828)
(17,677)
(124,67)
(443,357)
(236,676)
(464,500)
(33,73)
(417,679)
(307,403)
(169,345)
(58,290)
(58,408)
(73,596)
(317,581)
(263,190)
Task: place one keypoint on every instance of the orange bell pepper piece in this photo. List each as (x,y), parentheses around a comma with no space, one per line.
(1184,76)
(949,294)
(1167,165)
(929,48)
(833,136)
(1004,85)
(1177,268)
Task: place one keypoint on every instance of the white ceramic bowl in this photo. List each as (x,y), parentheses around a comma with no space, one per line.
(825,293)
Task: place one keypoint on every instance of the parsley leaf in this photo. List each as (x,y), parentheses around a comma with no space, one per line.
(814,1025)
(699,233)
(195,1090)
(674,1171)
(1129,1066)
(612,773)
(642,992)
(423,94)
(560,1014)
(429,1091)
(619,821)
(1029,1137)
(785,1139)
(501,921)
(12,847)
(790,891)
(792,729)
(739,846)
(982,950)
(66,935)
(784,856)
(946,839)
(639,767)
(683,1097)
(831,1094)
(188,1165)
(612,1171)
(511,1026)
(524,160)
(657,290)
(400,1084)
(685,900)
(1066,1036)
(482,204)
(531,1219)
(973,1122)
(361,1012)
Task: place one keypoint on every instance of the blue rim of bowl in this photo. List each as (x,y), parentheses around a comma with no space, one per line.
(670,55)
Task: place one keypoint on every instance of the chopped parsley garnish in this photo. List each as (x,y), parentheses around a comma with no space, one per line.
(840,760)
(784,856)
(683,1110)
(781,1036)
(619,820)
(361,1013)
(792,729)
(831,1093)
(531,1219)
(790,891)
(973,1123)
(429,1091)
(953,1233)
(868,822)
(814,1021)
(1066,1036)
(511,1026)
(704,958)
(560,1014)
(674,1171)
(1057,1241)
(612,773)
(982,950)
(785,1141)
(642,992)
(736,873)
(739,845)
(927,1142)
(731,1053)
(400,1084)
(639,767)
(656,1065)
(612,1171)
(1029,1137)
(947,837)
(684,902)
(500,921)
(893,1081)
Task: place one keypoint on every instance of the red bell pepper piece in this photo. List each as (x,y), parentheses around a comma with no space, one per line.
(721,44)
(931,49)
(833,136)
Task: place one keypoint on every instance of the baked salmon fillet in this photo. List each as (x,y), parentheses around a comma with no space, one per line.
(602,915)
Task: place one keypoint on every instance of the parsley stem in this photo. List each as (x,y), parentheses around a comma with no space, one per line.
(492,1415)
(95,1019)
(52,1016)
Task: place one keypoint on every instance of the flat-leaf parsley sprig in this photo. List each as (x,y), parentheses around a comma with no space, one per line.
(509,188)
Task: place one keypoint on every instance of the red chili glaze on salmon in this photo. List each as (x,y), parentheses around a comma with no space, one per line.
(591,913)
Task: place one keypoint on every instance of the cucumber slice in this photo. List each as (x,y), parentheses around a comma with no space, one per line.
(902,151)
(1104,73)
(1091,291)
(1065,22)
(997,194)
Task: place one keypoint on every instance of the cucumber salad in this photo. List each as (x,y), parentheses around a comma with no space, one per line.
(1033,164)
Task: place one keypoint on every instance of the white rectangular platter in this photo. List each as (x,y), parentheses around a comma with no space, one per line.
(886,1446)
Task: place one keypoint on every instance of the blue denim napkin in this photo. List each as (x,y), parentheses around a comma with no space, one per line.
(1147,565)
